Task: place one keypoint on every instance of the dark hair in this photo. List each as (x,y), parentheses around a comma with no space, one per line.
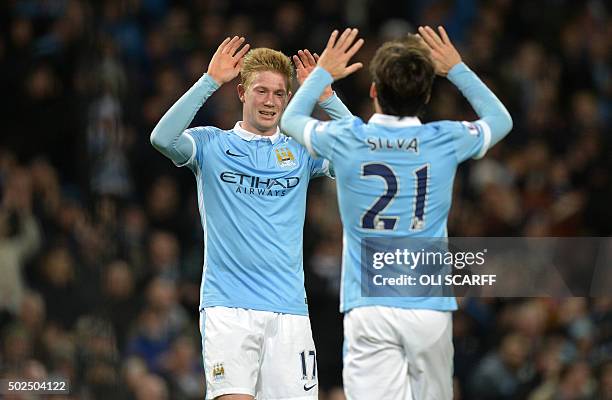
(403,73)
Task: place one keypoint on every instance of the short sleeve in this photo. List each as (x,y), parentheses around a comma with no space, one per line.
(471,139)
(321,137)
(200,137)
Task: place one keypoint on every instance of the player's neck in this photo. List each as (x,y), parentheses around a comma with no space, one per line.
(250,128)
(377,108)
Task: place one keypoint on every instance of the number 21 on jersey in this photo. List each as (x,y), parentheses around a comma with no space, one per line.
(371,219)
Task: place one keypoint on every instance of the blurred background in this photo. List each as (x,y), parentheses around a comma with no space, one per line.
(100,237)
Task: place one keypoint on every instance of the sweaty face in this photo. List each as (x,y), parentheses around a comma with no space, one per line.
(264,101)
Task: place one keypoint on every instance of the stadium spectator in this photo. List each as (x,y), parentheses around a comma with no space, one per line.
(549,61)
(501,373)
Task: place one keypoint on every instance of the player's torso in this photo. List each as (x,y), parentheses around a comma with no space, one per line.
(252,196)
(395,182)
(258,171)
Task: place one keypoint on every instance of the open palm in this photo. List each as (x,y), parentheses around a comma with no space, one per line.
(305,62)
(227,60)
(443,53)
(339,51)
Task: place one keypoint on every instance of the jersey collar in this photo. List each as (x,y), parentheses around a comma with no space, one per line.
(248,136)
(394,121)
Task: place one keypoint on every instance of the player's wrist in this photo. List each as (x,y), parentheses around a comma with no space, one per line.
(456,69)
(323,74)
(326,95)
(216,79)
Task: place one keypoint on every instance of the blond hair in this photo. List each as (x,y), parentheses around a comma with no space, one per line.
(264,59)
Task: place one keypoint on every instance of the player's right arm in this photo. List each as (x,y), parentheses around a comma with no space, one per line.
(332,65)
(305,62)
(495,120)
(168,136)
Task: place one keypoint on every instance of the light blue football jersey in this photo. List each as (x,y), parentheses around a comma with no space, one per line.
(252,200)
(394,178)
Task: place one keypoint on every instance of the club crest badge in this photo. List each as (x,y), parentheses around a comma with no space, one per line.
(218,372)
(285,158)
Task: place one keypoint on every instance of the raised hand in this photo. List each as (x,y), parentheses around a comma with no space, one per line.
(305,62)
(443,53)
(339,51)
(227,60)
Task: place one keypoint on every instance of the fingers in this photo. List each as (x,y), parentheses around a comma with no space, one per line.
(430,37)
(443,54)
(352,68)
(230,47)
(345,41)
(238,66)
(355,48)
(298,62)
(228,43)
(311,60)
(332,39)
(223,44)
(346,44)
(338,52)
(443,35)
(351,38)
(425,36)
(342,38)
(347,38)
(434,36)
(306,61)
(242,51)
(419,37)
(234,45)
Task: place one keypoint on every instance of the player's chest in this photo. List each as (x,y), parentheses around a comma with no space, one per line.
(258,155)
(259,170)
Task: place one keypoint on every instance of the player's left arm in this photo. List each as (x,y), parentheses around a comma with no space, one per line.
(305,62)
(332,65)
(495,121)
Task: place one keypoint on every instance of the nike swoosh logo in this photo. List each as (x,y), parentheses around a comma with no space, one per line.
(229,153)
(307,388)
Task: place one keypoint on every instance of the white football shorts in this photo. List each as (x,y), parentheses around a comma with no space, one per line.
(264,354)
(398,354)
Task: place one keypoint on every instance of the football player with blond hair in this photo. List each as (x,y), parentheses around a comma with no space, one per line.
(252,182)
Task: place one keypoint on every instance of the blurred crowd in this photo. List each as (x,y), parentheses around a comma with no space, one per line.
(100,237)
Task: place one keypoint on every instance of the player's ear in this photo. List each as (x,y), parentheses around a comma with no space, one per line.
(289,94)
(241,90)
(373,92)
